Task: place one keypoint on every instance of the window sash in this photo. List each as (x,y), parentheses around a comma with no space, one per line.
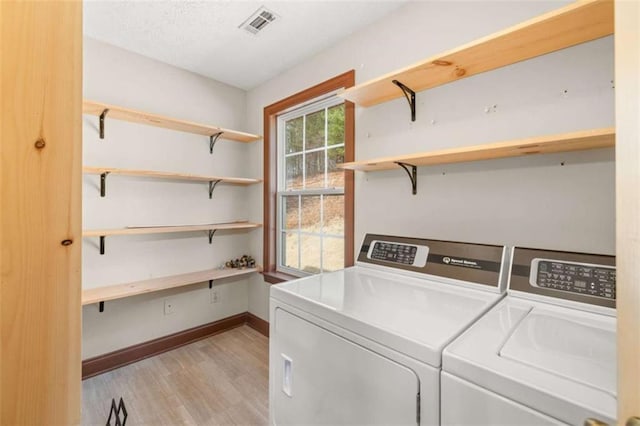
(282,231)
(282,193)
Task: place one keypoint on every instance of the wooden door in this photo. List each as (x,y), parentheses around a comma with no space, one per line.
(40,211)
(627,45)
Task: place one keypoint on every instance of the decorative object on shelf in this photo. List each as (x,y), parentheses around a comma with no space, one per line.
(244,262)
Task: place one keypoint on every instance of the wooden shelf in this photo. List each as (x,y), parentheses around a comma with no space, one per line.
(575,141)
(126,114)
(212,180)
(169,229)
(102,294)
(568,26)
(168,175)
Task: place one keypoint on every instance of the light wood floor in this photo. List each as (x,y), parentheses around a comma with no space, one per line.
(221,380)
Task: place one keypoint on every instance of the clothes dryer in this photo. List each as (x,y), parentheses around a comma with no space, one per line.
(363,345)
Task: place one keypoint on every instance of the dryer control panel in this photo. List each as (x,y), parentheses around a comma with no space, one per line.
(579,277)
(475,264)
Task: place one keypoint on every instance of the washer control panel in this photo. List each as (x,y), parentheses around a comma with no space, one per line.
(574,277)
(404,254)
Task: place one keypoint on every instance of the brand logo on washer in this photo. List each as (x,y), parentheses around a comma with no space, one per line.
(446,259)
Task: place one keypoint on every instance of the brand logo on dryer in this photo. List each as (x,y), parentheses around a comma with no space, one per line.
(446,260)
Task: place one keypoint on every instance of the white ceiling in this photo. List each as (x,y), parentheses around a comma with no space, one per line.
(203,36)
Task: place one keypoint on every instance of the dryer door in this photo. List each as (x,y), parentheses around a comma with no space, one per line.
(318,377)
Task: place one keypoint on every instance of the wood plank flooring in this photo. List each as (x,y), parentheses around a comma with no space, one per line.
(221,380)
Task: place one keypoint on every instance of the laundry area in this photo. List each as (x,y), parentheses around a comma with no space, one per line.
(389,212)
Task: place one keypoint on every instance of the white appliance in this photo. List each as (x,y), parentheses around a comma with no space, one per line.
(363,345)
(546,354)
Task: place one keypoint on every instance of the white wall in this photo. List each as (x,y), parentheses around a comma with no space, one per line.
(116,76)
(534,201)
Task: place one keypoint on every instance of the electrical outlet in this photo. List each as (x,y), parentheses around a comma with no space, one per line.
(215,295)
(168,307)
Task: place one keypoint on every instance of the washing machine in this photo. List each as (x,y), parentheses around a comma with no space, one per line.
(363,345)
(546,354)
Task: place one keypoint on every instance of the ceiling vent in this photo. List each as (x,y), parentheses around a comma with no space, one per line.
(258,21)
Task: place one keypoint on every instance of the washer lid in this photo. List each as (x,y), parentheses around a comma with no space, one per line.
(581,350)
(414,316)
(553,359)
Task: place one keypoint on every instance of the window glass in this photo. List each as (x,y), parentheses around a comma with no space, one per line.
(311,188)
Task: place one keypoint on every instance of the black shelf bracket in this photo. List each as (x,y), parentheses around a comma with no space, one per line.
(102,117)
(413,175)
(211,232)
(210,283)
(411,97)
(212,186)
(101,307)
(103,183)
(212,141)
(102,237)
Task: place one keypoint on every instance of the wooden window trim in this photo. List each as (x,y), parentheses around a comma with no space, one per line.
(270,173)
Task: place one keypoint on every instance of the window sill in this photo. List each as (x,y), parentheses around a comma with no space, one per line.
(275,277)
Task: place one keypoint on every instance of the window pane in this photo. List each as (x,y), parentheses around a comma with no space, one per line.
(293,135)
(314,130)
(310,253)
(335,176)
(294,172)
(311,214)
(333,211)
(335,125)
(290,244)
(315,169)
(290,212)
(332,254)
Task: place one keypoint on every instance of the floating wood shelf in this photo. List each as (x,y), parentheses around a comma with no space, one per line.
(568,26)
(119,291)
(169,229)
(211,228)
(126,114)
(168,175)
(213,180)
(574,141)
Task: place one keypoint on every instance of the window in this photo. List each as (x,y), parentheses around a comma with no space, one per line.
(310,189)
(308,200)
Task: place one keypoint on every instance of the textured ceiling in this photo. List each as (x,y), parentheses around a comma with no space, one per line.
(203,36)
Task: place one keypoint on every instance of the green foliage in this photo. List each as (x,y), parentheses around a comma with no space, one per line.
(308,132)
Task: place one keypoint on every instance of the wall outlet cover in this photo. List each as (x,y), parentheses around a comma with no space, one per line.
(168,307)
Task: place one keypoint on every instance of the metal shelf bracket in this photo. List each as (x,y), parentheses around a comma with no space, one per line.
(210,283)
(212,141)
(101,307)
(212,186)
(211,232)
(102,117)
(103,183)
(411,97)
(413,175)
(102,237)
